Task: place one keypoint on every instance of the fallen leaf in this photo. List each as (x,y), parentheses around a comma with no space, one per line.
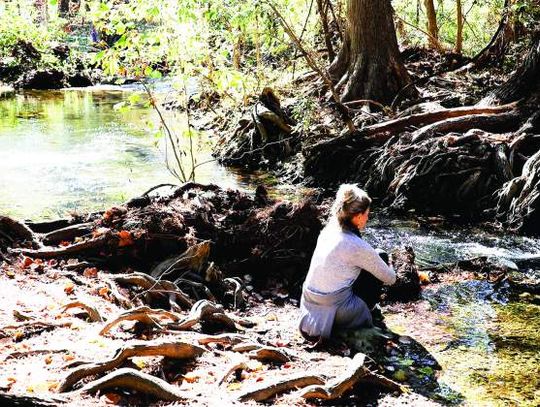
(103,292)
(27,261)
(64,243)
(139,362)
(68,357)
(90,272)
(234,386)
(112,398)
(69,288)
(400,375)
(48,359)
(99,231)
(53,385)
(254,365)
(18,335)
(191,377)
(125,238)
(424,277)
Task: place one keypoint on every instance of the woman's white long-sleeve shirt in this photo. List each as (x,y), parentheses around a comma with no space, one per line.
(338,259)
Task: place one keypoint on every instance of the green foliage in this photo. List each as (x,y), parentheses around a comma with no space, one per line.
(232,46)
(481,21)
(17,23)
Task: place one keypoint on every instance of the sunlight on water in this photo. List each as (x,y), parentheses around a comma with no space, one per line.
(71,150)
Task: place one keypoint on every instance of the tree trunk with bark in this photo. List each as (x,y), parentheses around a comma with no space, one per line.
(322,7)
(496,49)
(459,35)
(525,81)
(369,65)
(63,8)
(432,27)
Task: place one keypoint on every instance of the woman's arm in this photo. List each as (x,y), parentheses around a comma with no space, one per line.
(367,258)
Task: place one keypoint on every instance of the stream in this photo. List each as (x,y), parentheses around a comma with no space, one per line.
(73,151)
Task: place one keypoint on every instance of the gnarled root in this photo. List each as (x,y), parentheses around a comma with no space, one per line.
(144,314)
(242,365)
(132,379)
(14,230)
(16,400)
(170,349)
(177,298)
(269,354)
(281,386)
(93,313)
(76,248)
(222,339)
(356,373)
(205,311)
(67,233)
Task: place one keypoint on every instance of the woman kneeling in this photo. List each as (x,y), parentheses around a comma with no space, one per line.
(341,256)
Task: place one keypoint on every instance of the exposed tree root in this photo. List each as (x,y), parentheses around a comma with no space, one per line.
(118,297)
(265,392)
(74,249)
(194,258)
(356,373)
(246,346)
(177,298)
(12,230)
(93,313)
(501,122)
(67,234)
(132,379)
(204,311)
(269,354)
(222,339)
(166,348)
(242,365)
(15,400)
(518,203)
(144,314)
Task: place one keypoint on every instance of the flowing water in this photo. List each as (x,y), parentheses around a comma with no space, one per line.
(72,150)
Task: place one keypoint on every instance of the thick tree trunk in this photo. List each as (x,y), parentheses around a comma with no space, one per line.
(496,49)
(459,21)
(369,64)
(524,82)
(432,27)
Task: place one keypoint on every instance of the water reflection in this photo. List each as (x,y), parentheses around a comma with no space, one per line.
(72,150)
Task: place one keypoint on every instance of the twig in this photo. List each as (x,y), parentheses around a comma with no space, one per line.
(313,65)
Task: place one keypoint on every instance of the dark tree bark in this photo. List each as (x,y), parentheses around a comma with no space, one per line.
(459,22)
(495,50)
(369,64)
(322,7)
(525,81)
(63,8)
(432,27)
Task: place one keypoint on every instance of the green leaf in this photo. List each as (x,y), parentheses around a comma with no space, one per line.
(134,98)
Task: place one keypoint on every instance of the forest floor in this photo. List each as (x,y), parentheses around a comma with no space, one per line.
(65,322)
(40,339)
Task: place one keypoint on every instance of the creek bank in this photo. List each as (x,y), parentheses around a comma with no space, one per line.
(435,157)
(213,274)
(26,69)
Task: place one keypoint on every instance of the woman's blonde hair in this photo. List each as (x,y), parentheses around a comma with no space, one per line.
(350,201)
